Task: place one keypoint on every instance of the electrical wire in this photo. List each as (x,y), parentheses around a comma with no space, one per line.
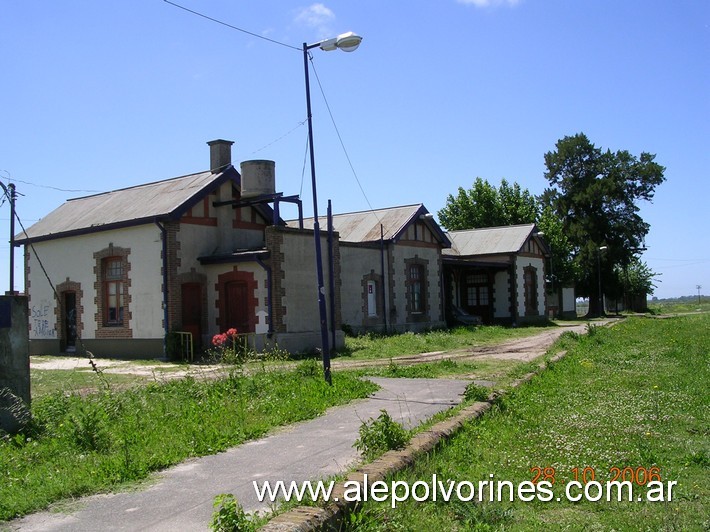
(230,26)
(303,168)
(10,178)
(300,124)
(310,57)
(89,354)
(340,138)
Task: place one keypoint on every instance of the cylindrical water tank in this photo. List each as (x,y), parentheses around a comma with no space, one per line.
(258,178)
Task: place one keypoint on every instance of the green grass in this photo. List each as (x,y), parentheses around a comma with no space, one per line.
(635,395)
(78,445)
(372,346)
(679,307)
(47,381)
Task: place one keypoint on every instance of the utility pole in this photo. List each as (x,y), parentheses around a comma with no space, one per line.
(698,287)
(11,195)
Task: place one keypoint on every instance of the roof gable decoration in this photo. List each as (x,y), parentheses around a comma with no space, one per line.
(494,240)
(373,225)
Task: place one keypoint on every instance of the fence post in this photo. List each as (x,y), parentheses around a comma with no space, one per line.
(14,363)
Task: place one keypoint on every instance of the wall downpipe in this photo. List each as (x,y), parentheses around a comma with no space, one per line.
(166,325)
(382,270)
(269,302)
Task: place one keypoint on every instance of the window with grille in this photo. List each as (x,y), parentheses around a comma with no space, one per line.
(113,291)
(416,280)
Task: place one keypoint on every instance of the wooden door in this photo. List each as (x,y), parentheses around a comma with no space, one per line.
(69,325)
(236,307)
(476,295)
(192,312)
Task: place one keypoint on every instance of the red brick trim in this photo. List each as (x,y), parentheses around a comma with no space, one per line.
(252,304)
(69,286)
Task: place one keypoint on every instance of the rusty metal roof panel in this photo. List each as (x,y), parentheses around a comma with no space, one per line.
(121,207)
(489,240)
(365,226)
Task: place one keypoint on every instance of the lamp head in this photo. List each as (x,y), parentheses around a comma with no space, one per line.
(347,42)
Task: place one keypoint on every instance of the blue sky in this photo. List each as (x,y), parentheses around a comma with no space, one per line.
(98,95)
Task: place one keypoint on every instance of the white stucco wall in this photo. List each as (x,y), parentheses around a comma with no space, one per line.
(400,253)
(355,263)
(538,264)
(212,272)
(301,296)
(501,285)
(569,303)
(73,259)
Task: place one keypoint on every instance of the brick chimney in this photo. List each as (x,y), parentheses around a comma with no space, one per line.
(220,154)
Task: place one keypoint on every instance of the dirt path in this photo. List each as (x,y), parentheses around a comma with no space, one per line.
(521,349)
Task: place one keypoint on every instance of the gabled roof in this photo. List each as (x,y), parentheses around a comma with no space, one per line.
(364,226)
(161,200)
(490,240)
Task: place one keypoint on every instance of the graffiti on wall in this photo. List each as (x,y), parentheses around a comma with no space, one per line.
(39,319)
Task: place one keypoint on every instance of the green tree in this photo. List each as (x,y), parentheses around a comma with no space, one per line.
(636,281)
(596,193)
(563,269)
(484,205)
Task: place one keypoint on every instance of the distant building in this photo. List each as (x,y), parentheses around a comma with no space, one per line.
(497,273)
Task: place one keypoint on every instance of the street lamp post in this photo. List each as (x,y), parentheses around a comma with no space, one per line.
(11,194)
(599,274)
(348,42)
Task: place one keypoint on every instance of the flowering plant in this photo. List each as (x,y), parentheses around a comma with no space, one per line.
(228,348)
(224,340)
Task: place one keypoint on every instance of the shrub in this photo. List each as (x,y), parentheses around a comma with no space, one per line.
(230,516)
(380,435)
(474,392)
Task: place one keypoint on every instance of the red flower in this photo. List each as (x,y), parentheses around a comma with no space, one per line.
(231,332)
(219,339)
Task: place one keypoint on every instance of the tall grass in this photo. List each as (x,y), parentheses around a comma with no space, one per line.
(635,395)
(78,445)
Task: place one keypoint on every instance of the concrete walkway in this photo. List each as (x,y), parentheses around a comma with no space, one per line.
(181,498)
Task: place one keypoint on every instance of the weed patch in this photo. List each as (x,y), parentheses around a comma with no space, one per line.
(380,435)
(229,516)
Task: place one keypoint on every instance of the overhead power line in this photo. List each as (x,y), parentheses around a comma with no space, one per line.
(332,118)
(230,26)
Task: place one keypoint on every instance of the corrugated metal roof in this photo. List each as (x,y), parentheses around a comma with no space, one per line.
(121,207)
(489,240)
(365,226)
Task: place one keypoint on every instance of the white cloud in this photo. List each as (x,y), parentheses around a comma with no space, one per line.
(316,16)
(490,3)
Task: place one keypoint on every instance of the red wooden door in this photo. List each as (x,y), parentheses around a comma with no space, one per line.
(236,307)
(192,312)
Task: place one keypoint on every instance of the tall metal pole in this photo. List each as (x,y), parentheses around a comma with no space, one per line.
(316,230)
(11,196)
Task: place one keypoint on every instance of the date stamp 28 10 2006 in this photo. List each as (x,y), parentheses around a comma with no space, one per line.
(619,486)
